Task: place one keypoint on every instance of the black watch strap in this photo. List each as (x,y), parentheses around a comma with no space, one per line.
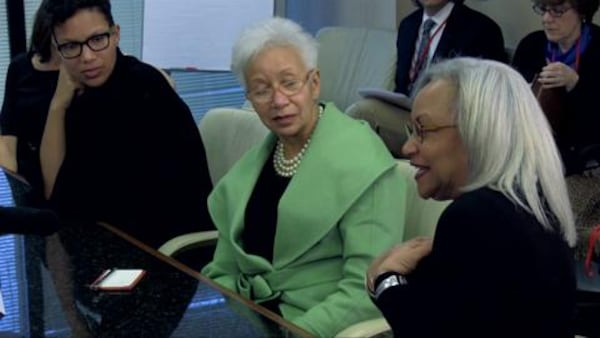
(385,281)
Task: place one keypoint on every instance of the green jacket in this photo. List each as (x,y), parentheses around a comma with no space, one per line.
(343,207)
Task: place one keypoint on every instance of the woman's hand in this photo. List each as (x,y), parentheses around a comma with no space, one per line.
(66,88)
(558,74)
(402,258)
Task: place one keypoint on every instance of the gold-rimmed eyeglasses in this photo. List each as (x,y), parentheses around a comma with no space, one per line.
(264,93)
(554,11)
(418,131)
(73,49)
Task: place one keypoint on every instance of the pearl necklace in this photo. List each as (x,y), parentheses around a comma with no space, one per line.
(287,168)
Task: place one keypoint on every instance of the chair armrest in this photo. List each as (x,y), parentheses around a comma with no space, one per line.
(188,241)
(386,119)
(367,328)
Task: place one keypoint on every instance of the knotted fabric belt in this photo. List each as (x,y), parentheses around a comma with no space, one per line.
(270,285)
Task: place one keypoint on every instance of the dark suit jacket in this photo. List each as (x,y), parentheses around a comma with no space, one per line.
(493,271)
(467,33)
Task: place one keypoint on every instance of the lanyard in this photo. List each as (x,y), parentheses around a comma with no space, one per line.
(421,58)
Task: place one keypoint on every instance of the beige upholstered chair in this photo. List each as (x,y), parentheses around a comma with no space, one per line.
(227,134)
(369,62)
(387,120)
(353,58)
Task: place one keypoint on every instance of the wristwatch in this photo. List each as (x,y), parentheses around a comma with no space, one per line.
(385,281)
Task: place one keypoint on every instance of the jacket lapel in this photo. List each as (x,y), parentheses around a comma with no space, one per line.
(413,35)
(324,186)
(449,35)
(228,202)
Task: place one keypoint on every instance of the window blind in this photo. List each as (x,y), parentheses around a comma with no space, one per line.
(129,15)
(8,244)
(203,90)
(4,47)
(31,7)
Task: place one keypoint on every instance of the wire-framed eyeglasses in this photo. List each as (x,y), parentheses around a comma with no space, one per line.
(554,11)
(418,131)
(73,49)
(264,93)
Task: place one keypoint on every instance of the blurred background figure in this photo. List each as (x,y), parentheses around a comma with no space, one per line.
(30,85)
(564,56)
(442,29)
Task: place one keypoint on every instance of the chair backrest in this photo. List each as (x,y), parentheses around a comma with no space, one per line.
(387,120)
(351,58)
(227,134)
(421,214)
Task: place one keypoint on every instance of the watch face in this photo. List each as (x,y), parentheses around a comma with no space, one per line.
(393,280)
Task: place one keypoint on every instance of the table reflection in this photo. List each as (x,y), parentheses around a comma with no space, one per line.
(46,281)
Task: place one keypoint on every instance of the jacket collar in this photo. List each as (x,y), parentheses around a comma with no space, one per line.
(329,164)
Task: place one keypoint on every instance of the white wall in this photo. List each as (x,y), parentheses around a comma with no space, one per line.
(515,17)
(314,14)
(194,23)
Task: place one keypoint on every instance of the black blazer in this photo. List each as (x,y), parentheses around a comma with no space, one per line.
(467,33)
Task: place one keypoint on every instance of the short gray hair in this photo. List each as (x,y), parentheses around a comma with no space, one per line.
(273,32)
(508,139)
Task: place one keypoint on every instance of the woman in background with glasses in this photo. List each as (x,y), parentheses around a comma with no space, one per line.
(565,55)
(302,214)
(500,263)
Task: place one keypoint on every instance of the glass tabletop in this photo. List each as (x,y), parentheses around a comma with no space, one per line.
(45,284)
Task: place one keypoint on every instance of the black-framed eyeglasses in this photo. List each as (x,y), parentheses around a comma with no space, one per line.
(554,11)
(417,130)
(73,49)
(264,93)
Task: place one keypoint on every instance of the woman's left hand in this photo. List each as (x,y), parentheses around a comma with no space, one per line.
(402,258)
(558,74)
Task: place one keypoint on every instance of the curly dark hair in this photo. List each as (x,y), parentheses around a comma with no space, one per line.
(585,8)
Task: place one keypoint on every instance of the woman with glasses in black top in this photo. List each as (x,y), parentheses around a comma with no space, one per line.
(564,56)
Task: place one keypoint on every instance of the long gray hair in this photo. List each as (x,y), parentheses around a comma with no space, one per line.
(508,139)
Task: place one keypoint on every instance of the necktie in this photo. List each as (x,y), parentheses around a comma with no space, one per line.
(420,60)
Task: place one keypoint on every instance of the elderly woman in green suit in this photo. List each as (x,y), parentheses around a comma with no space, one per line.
(302,214)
